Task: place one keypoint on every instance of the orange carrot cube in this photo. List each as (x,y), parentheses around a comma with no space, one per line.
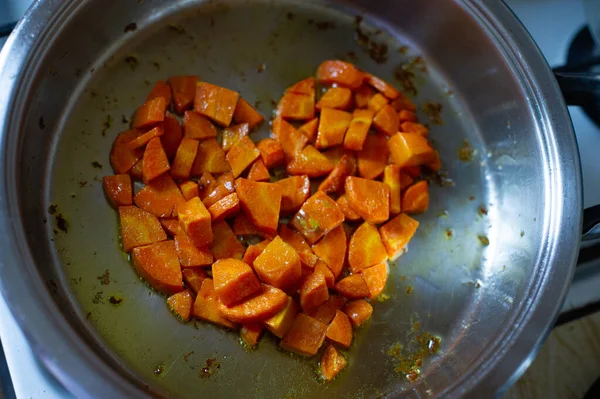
(180,304)
(193,278)
(336,153)
(282,321)
(410,117)
(260,202)
(225,243)
(396,233)
(232,134)
(215,102)
(376,278)
(150,113)
(206,184)
(309,129)
(158,265)
(257,308)
(403,102)
(416,198)
(139,228)
(332,127)
(184,158)
(245,113)
(321,267)
(340,330)
(241,155)
(172,135)
(366,248)
(305,336)
(377,103)
(294,239)
(304,86)
(258,171)
(410,149)
(369,198)
(171,226)
(309,162)
(317,217)
(340,73)
(196,126)
(435,164)
(224,187)
(190,255)
(358,129)
(362,96)
(145,138)
(327,310)
(224,208)
(294,191)
(195,221)
(205,306)
(336,98)
(412,171)
(155,161)
(136,171)
(392,177)
(251,333)
(386,121)
(334,182)
(122,158)
(161,197)
(352,287)
(189,190)
(313,291)
(373,157)
(349,214)
(332,249)
(296,106)
(279,265)
(118,190)
(233,281)
(184,90)
(271,152)
(291,140)
(253,251)
(332,362)
(210,158)
(413,127)
(385,88)
(359,311)
(243,226)
(160,89)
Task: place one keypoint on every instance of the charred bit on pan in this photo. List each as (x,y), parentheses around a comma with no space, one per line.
(61,222)
(210,369)
(410,357)
(377,51)
(176,29)
(325,25)
(132,61)
(187,356)
(124,119)
(482,211)
(107,124)
(97,165)
(158,370)
(261,68)
(41,123)
(433,111)
(98,298)
(409,290)
(483,240)
(115,300)
(104,278)
(290,16)
(130,27)
(466,152)
(449,233)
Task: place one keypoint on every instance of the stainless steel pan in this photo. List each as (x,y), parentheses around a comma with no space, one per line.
(72,74)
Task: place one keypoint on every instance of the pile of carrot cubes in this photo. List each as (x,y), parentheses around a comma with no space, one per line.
(328,196)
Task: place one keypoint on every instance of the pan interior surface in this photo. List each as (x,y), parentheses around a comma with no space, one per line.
(467,270)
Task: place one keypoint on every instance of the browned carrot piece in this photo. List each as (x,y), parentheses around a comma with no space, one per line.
(405,180)
(251,333)
(334,182)
(386,121)
(172,135)
(257,308)
(158,265)
(189,255)
(335,154)
(396,233)
(294,190)
(184,158)
(336,97)
(205,306)
(118,190)
(340,73)
(332,249)
(321,267)
(245,113)
(291,140)
(305,336)
(412,171)
(189,190)
(282,321)
(279,265)
(436,164)
(145,138)
(377,103)
(403,102)
(408,116)
(206,184)
(232,134)
(150,113)
(296,106)
(317,217)
(362,96)
(308,260)
(184,90)
(171,226)
(193,278)
(243,226)
(376,278)
(416,198)
(215,102)
(358,129)
(139,228)
(225,243)
(233,281)
(333,124)
(392,177)
(180,304)
(160,197)
(309,162)
(326,311)
(353,286)
(225,186)
(210,158)
(413,127)
(271,152)
(260,202)
(224,208)
(258,171)
(253,251)
(195,221)
(309,129)
(155,161)
(369,198)
(122,158)
(196,126)
(373,157)
(332,362)
(136,171)
(304,86)
(241,155)
(293,238)
(366,248)
(160,89)
(385,88)
(359,311)
(313,291)
(340,330)
(410,149)
(349,214)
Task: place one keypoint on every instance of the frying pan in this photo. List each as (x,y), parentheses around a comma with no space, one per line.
(73,73)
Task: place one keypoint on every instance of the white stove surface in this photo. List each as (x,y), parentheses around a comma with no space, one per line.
(552,23)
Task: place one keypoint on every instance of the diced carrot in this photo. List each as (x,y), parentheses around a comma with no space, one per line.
(359,311)
(184,90)
(193,278)
(362,96)
(305,336)
(334,182)
(251,333)
(341,73)
(321,267)
(412,171)
(291,140)
(385,88)
(158,265)
(358,129)
(145,138)
(309,162)
(293,238)
(224,208)
(180,304)
(161,197)
(195,221)
(405,180)
(232,134)
(416,198)
(333,124)
(190,255)
(336,97)
(150,113)
(210,158)
(225,243)
(403,102)
(373,157)
(171,226)
(327,310)
(206,184)
(369,198)
(391,177)
(257,308)
(189,190)
(160,89)
(271,152)
(332,362)
(313,291)
(122,158)
(241,155)
(172,135)
(243,226)
(258,171)
(304,86)
(295,191)
(335,154)
(136,171)
(215,102)
(184,158)
(435,164)
(413,127)
(309,129)
(366,248)
(377,103)
(282,321)
(408,116)
(196,126)
(349,214)
(317,217)
(296,106)
(205,306)
(234,281)
(245,113)
(332,249)
(279,265)
(353,286)
(225,186)
(308,259)
(396,233)
(260,202)
(410,149)
(155,161)
(376,278)
(139,228)
(340,329)
(386,121)
(118,190)
(253,251)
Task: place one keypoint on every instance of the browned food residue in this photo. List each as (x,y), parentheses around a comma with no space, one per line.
(107,124)
(97,165)
(104,278)
(483,240)
(210,369)
(482,211)
(409,358)
(261,68)
(465,153)
(41,123)
(59,219)
(406,74)
(159,370)
(449,233)
(433,111)
(132,61)
(324,25)
(115,300)
(378,51)
(97,298)
(186,357)
(130,27)
(409,290)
